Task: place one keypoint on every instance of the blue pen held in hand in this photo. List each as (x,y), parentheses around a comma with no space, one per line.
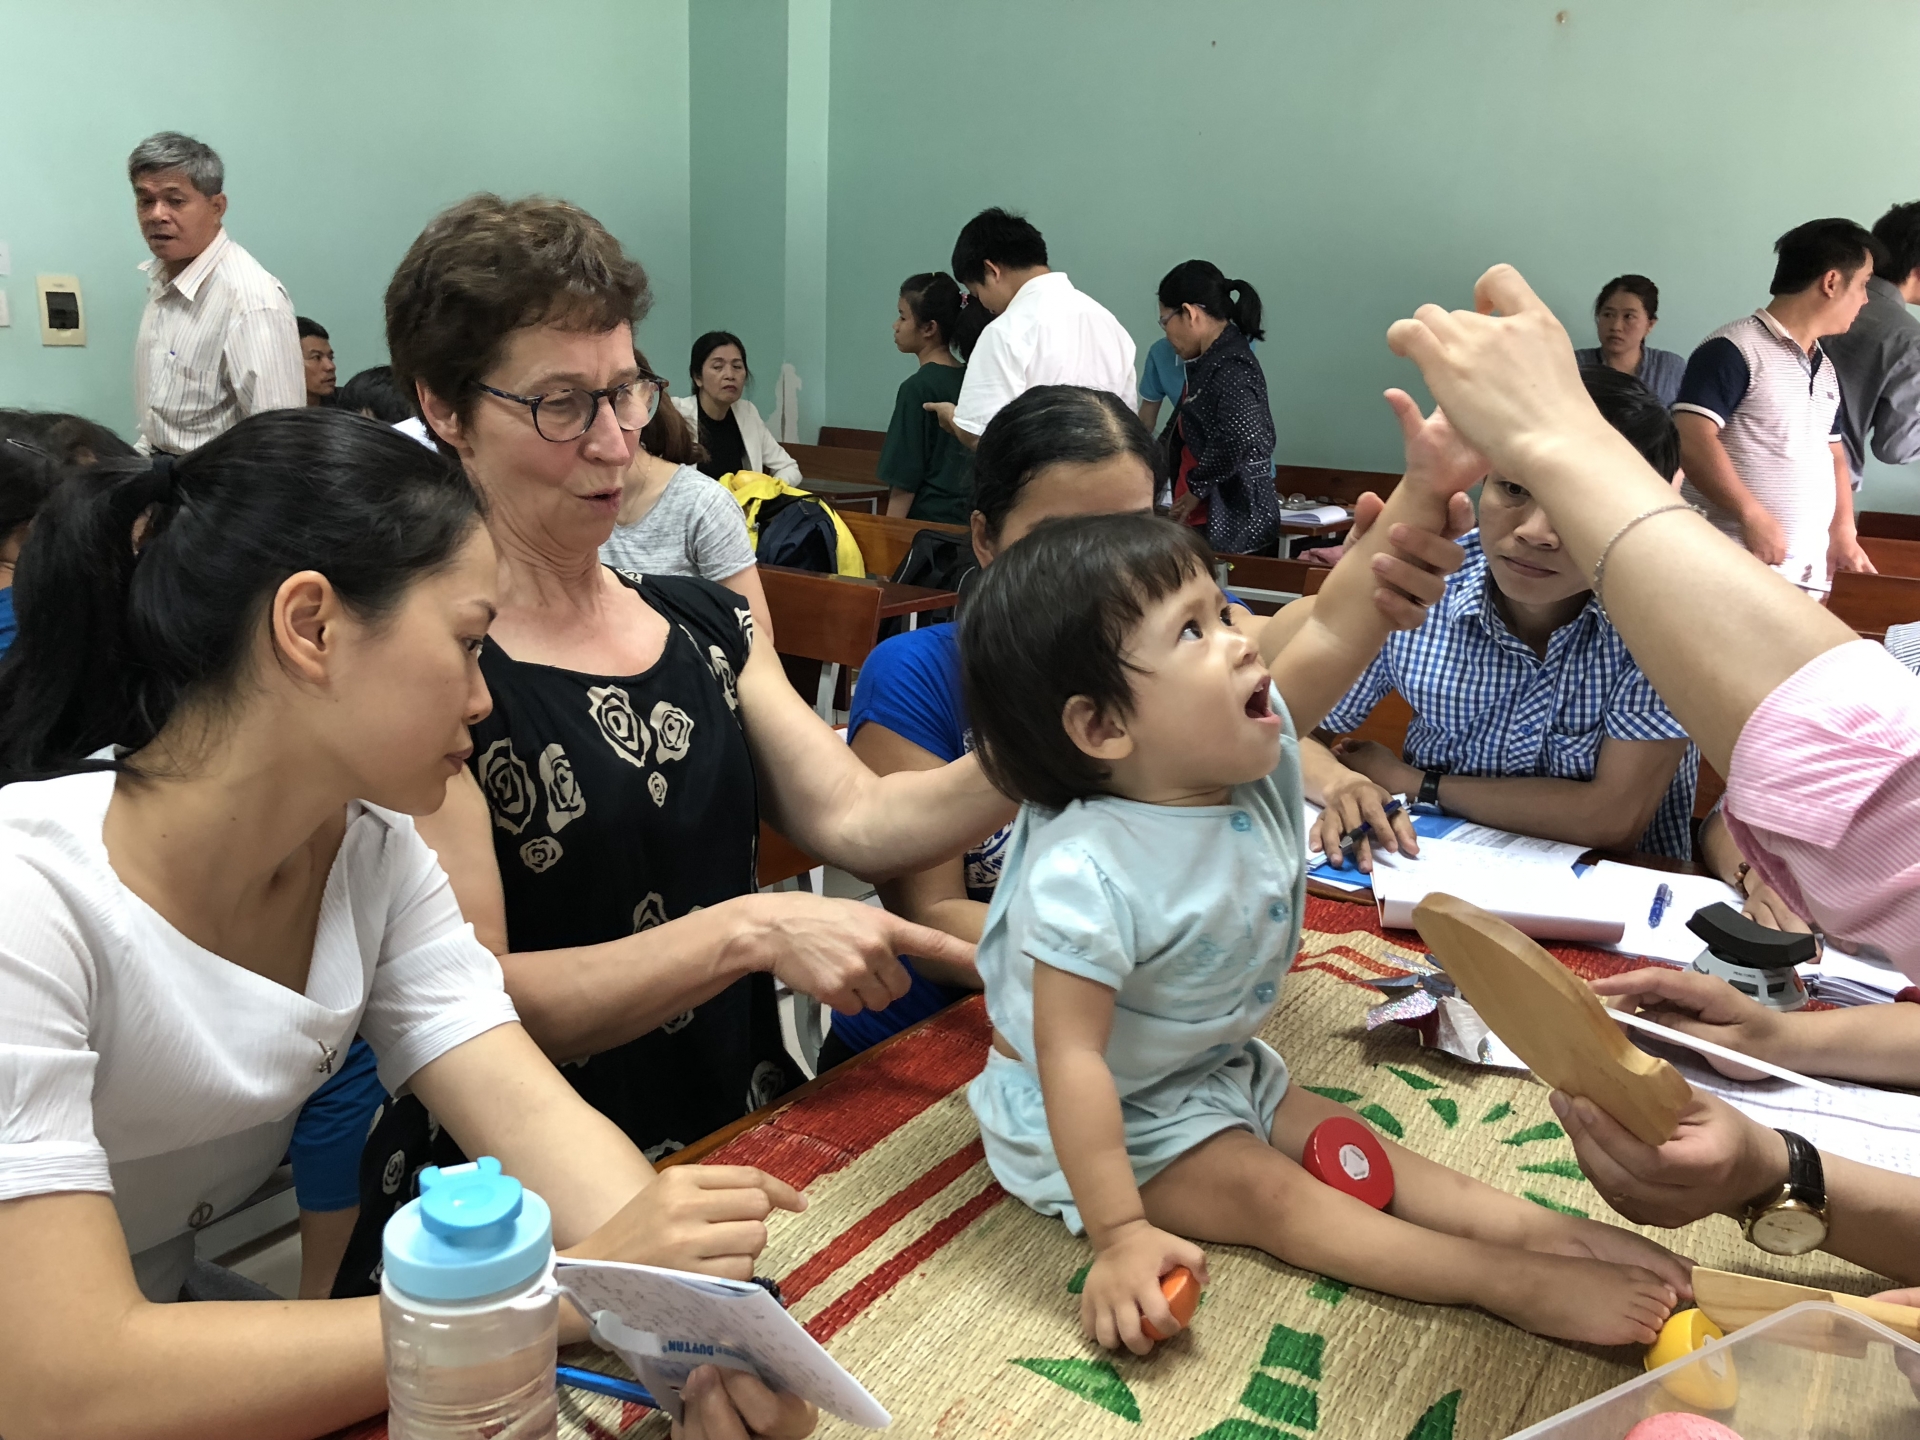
(1662,898)
(575,1378)
(1395,804)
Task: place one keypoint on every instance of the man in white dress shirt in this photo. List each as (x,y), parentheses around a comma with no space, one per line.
(1044,332)
(217,339)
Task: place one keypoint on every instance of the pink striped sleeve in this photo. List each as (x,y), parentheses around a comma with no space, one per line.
(1823,797)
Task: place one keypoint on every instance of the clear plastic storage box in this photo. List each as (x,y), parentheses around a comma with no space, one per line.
(1812,1372)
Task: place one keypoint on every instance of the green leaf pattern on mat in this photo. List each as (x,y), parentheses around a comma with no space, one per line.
(1077,1281)
(1294,1350)
(1243,1430)
(1382,1119)
(1447,1110)
(1331,1291)
(1282,1400)
(1565,1169)
(1094,1380)
(1545,1130)
(1335,1093)
(1437,1423)
(1498,1112)
(1417,1081)
(1552,1204)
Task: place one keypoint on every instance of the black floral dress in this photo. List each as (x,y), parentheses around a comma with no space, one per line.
(618,803)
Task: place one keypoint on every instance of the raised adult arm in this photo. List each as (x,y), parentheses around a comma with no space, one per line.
(820,796)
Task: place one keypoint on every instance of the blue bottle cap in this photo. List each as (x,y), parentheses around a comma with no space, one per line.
(473,1231)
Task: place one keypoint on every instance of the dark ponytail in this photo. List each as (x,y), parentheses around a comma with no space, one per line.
(1199,282)
(142,587)
(668,436)
(933,298)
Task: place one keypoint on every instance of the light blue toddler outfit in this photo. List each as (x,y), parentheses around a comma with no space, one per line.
(1191,914)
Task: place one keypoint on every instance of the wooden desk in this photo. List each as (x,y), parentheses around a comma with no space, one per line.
(832,462)
(1870,603)
(843,437)
(1338,485)
(1266,583)
(1893,557)
(885,539)
(1887,525)
(866,495)
(895,599)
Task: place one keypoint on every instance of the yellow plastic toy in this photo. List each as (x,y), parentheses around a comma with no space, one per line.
(1710,1383)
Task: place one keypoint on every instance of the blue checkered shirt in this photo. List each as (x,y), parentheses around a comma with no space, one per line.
(1485,704)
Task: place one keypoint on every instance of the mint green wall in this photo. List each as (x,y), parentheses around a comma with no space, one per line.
(739,150)
(1354,160)
(344,127)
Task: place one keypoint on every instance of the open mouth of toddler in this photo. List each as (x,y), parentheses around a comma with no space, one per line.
(1260,702)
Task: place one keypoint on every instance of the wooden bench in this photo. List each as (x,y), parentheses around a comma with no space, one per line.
(885,539)
(820,623)
(1871,603)
(830,462)
(1266,583)
(1887,525)
(844,437)
(1893,557)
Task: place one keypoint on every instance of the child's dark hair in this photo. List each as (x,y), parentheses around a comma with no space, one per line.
(1008,240)
(1201,283)
(1050,619)
(142,586)
(1638,285)
(374,392)
(934,299)
(1636,412)
(710,342)
(1054,425)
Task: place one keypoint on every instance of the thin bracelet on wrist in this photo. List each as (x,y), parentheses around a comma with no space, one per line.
(1600,565)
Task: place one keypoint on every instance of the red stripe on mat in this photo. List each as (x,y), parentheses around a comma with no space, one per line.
(830,1129)
(877,1221)
(830,1321)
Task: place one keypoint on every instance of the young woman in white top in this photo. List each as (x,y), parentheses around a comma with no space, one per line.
(674,520)
(730,429)
(238,675)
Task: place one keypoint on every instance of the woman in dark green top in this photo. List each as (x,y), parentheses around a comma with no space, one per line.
(931,472)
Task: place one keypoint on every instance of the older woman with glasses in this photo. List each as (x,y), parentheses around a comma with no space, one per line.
(602,838)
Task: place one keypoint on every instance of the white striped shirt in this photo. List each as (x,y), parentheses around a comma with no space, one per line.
(217,344)
(1778,409)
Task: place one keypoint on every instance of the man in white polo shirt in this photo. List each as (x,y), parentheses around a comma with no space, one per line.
(217,339)
(1760,412)
(1044,332)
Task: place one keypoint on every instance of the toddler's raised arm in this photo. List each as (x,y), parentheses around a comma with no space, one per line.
(1324,656)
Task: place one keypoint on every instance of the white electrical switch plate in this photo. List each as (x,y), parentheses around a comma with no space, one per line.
(63,315)
(6,258)
(6,316)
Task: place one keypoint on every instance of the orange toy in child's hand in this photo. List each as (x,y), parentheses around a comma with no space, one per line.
(1182,1294)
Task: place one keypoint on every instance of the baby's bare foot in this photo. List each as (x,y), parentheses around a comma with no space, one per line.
(1569,1298)
(1594,1240)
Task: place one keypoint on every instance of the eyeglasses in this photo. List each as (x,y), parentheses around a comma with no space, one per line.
(564,415)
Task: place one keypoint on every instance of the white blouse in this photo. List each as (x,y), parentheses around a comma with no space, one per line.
(134,1062)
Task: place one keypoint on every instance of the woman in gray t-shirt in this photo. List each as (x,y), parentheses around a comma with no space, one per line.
(676,521)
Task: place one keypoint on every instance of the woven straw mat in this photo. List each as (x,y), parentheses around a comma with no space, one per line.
(956,1305)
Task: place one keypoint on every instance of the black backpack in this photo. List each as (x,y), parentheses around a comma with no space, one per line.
(937,561)
(796,531)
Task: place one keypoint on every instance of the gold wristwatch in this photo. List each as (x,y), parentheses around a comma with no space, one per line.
(1791,1219)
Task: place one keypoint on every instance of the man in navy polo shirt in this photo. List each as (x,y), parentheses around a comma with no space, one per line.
(1760,412)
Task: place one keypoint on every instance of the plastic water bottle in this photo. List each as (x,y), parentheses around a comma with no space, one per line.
(468,1311)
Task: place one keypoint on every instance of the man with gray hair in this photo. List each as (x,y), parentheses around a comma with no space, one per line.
(217,339)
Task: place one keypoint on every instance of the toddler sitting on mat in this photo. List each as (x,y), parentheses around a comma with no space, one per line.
(1149,908)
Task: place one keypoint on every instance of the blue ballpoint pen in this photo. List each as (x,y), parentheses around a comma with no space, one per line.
(1662,898)
(1395,804)
(576,1378)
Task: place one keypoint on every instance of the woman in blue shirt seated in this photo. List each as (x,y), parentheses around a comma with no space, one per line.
(1056,450)
(1624,315)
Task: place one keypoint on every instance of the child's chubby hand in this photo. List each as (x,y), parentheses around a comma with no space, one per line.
(1438,456)
(1123,1285)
